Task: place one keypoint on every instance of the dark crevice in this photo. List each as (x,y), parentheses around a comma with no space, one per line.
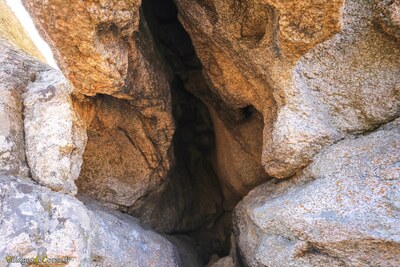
(193,193)
(248,111)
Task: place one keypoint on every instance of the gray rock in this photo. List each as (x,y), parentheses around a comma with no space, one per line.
(223,262)
(342,210)
(39,127)
(55,137)
(121,240)
(346,85)
(36,221)
(16,70)
(12,157)
(387,14)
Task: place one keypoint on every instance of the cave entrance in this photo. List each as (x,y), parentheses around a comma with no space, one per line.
(193,192)
(186,190)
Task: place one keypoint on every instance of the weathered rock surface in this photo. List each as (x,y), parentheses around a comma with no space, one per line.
(223,262)
(387,13)
(121,240)
(278,58)
(39,127)
(106,48)
(55,137)
(179,133)
(17,70)
(341,210)
(93,41)
(124,160)
(327,103)
(36,221)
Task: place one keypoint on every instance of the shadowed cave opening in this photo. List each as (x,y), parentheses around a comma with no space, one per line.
(192,204)
(193,180)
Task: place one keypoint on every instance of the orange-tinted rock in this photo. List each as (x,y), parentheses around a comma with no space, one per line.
(285,58)
(125,159)
(106,48)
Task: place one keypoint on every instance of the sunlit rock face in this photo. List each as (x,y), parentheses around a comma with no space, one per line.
(340,210)
(41,133)
(105,48)
(35,219)
(203,133)
(93,41)
(49,115)
(310,68)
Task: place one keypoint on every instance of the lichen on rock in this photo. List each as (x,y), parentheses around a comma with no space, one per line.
(55,135)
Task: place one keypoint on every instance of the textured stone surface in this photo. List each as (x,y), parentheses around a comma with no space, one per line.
(387,13)
(124,160)
(325,103)
(36,221)
(55,136)
(121,240)
(16,70)
(104,48)
(95,36)
(278,58)
(223,262)
(39,127)
(258,90)
(341,210)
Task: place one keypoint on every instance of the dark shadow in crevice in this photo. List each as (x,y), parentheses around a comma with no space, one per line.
(192,203)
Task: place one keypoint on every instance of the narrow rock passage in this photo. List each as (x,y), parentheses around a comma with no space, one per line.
(193,193)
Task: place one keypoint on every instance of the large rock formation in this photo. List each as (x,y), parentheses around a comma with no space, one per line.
(39,223)
(342,210)
(174,111)
(105,48)
(38,118)
(16,72)
(49,115)
(311,87)
(96,46)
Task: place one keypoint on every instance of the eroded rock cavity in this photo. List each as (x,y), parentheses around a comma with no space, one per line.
(184,177)
(178,132)
(187,186)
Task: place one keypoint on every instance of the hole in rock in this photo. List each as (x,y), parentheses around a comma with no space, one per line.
(248,111)
(181,191)
(193,192)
